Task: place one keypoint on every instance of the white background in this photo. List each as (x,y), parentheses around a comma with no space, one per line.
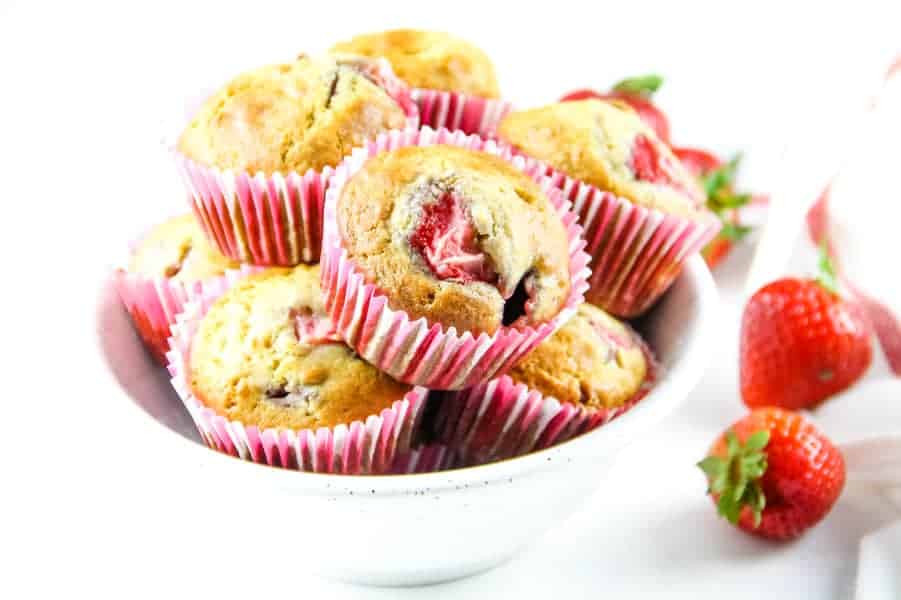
(85,89)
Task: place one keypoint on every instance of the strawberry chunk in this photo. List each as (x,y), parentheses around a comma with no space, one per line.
(313,329)
(446,240)
(647,163)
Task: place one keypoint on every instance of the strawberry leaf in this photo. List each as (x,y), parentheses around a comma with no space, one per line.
(758,440)
(734,232)
(722,178)
(644,85)
(734,479)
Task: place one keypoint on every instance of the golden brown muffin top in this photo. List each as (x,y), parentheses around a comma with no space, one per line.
(307,114)
(608,146)
(430,59)
(266,355)
(177,248)
(457,236)
(593,360)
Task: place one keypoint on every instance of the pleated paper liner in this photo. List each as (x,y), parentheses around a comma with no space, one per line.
(456,111)
(412,350)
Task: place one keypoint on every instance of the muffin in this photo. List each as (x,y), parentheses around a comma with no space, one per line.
(452,249)
(606,144)
(168,266)
(642,212)
(455,236)
(429,59)
(307,114)
(594,361)
(454,82)
(264,355)
(258,153)
(591,370)
(177,249)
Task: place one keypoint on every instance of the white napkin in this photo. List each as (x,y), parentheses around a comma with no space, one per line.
(862,225)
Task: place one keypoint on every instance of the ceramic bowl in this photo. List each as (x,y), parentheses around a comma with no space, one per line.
(402,529)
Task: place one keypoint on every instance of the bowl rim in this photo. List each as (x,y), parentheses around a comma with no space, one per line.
(673,387)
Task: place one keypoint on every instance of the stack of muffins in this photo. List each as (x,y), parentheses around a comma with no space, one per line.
(385,268)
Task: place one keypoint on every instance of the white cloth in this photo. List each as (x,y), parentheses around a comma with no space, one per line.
(865,421)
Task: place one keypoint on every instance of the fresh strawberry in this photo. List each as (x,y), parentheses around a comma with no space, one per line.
(801,342)
(774,474)
(718,180)
(699,162)
(717,250)
(636,92)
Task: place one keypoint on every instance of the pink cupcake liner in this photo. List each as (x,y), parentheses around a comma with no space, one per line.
(636,253)
(455,111)
(260,219)
(413,351)
(355,448)
(269,219)
(502,419)
(425,459)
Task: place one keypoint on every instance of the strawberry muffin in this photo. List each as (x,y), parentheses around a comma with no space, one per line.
(458,237)
(307,114)
(454,243)
(177,249)
(591,370)
(167,267)
(264,355)
(643,213)
(607,145)
(257,154)
(429,59)
(454,85)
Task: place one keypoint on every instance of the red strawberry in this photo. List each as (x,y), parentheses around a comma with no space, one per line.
(718,180)
(699,162)
(801,342)
(636,92)
(717,250)
(774,474)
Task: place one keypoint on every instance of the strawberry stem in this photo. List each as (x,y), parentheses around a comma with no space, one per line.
(735,479)
(643,85)
(827,276)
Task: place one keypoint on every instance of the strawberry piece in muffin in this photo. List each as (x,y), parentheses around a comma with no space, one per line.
(457,236)
(446,240)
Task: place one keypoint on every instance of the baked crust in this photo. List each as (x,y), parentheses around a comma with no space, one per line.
(430,59)
(303,115)
(592,361)
(248,364)
(177,248)
(514,224)
(595,141)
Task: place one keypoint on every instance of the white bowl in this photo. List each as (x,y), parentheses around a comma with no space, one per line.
(407,529)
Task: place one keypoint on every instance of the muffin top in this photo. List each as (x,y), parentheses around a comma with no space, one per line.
(177,248)
(608,146)
(307,114)
(265,354)
(593,360)
(457,236)
(430,59)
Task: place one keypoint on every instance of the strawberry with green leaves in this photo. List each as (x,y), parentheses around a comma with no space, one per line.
(636,92)
(773,474)
(801,342)
(718,181)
